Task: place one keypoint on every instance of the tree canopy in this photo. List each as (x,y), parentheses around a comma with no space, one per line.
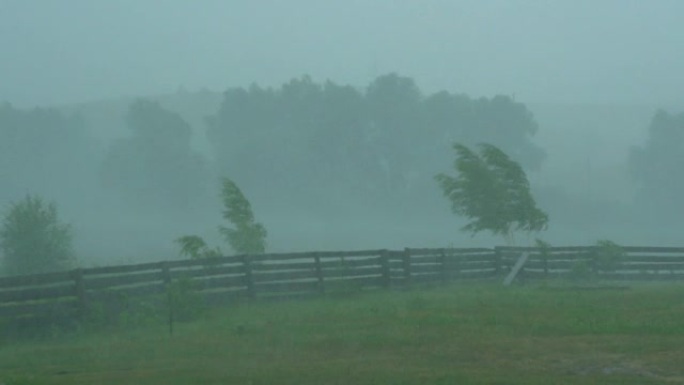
(43,151)
(371,143)
(492,191)
(246,236)
(155,167)
(33,240)
(657,164)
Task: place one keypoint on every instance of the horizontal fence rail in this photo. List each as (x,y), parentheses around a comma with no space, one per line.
(225,279)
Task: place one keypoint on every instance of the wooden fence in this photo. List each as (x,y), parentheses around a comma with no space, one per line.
(226,279)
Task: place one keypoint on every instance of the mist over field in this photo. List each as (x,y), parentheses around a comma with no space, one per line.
(334,117)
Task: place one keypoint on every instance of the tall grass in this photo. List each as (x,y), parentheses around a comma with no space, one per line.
(460,334)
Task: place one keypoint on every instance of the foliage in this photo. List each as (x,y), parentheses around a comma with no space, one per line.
(194,247)
(368,143)
(655,164)
(544,248)
(405,338)
(43,150)
(248,236)
(155,167)
(492,191)
(33,240)
(608,256)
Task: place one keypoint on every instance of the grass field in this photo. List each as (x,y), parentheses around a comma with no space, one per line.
(460,334)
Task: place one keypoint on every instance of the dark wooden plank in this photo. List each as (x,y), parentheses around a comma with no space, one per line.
(227,260)
(437,258)
(343,273)
(207,272)
(642,277)
(474,265)
(651,266)
(104,282)
(428,251)
(280,257)
(351,263)
(228,282)
(649,249)
(284,266)
(357,253)
(122,269)
(653,258)
(129,291)
(521,249)
(562,256)
(426,268)
(40,293)
(284,276)
(35,280)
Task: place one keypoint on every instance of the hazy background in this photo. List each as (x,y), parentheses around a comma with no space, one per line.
(592,73)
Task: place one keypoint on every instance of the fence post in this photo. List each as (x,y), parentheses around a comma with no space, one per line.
(319,273)
(385,267)
(249,279)
(441,259)
(497,261)
(166,277)
(166,274)
(406,262)
(79,285)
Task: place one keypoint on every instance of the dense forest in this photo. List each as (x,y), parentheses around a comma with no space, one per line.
(326,165)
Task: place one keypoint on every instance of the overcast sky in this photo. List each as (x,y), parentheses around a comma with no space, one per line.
(605,51)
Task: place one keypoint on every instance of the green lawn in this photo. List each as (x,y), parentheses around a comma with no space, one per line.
(461,334)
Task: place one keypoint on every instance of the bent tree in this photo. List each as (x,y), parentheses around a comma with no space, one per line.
(492,191)
(246,236)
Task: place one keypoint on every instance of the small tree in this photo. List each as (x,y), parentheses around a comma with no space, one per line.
(248,236)
(193,246)
(493,192)
(33,240)
(608,256)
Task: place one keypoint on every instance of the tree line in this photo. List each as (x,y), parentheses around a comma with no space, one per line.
(318,143)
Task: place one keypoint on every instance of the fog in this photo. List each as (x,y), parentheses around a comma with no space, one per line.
(592,76)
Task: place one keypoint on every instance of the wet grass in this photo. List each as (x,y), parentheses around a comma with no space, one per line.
(460,334)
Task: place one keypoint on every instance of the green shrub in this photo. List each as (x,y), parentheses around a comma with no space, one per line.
(33,240)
